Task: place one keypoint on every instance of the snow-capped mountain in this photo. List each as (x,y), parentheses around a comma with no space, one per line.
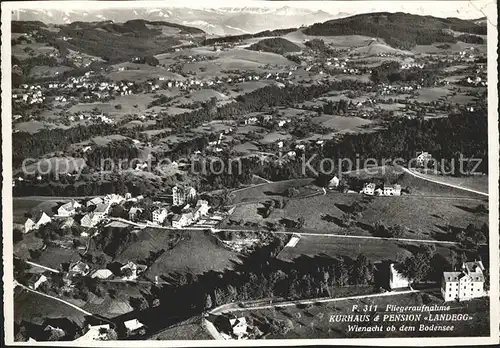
(219,21)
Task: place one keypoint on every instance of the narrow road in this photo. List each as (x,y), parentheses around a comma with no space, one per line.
(43,267)
(239,307)
(412,173)
(291,232)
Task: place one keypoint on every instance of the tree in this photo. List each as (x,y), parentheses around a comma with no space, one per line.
(300,222)
(17,235)
(397,231)
(138,303)
(362,270)
(208,302)
(347,219)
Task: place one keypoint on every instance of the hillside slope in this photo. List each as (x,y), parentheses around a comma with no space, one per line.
(399,30)
(275,45)
(114,42)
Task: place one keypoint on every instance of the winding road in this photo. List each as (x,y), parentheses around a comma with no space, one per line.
(413,173)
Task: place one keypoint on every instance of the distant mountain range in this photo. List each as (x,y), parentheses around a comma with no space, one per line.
(220,21)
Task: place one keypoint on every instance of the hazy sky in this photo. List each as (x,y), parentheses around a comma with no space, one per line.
(461,9)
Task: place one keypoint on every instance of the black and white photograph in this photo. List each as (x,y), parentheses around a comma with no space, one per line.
(298,172)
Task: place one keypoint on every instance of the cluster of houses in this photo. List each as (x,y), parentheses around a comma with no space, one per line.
(412,66)
(68,211)
(462,285)
(90,117)
(475,81)
(32,95)
(186,210)
(192,210)
(371,189)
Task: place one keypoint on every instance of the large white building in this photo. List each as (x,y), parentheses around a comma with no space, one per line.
(396,279)
(465,284)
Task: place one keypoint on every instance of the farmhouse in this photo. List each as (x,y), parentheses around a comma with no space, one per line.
(68,209)
(34,223)
(133,326)
(95,333)
(464,285)
(130,271)
(35,281)
(79,268)
(396,279)
(333,183)
(95,201)
(392,190)
(90,220)
(102,274)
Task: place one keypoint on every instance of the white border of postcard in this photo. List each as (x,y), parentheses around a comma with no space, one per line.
(487,7)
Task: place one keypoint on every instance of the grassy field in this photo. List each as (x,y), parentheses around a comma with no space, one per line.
(36,309)
(424,217)
(22,206)
(313,321)
(477,182)
(149,240)
(341,123)
(33,127)
(197,253)
(29,242)
(118,304)
(53,257)
(263,192)
(190,329)
(375,250)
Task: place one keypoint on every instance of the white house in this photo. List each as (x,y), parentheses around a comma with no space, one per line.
(95,333)
(68,209)
(133,325)
(464,285)
(396,279)
(102,274)
(94,201)
(34,282)
(239,327)
(368,189)
(334,182)
(130,269)
(79,268)
(159,215)
(36,221)
(423,158)
(113,198)
(133,213)
(201,209)
(392,190)
(93,218)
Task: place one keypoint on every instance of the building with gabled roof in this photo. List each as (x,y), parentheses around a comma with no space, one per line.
(464,285)
(68,209)
(37,220)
